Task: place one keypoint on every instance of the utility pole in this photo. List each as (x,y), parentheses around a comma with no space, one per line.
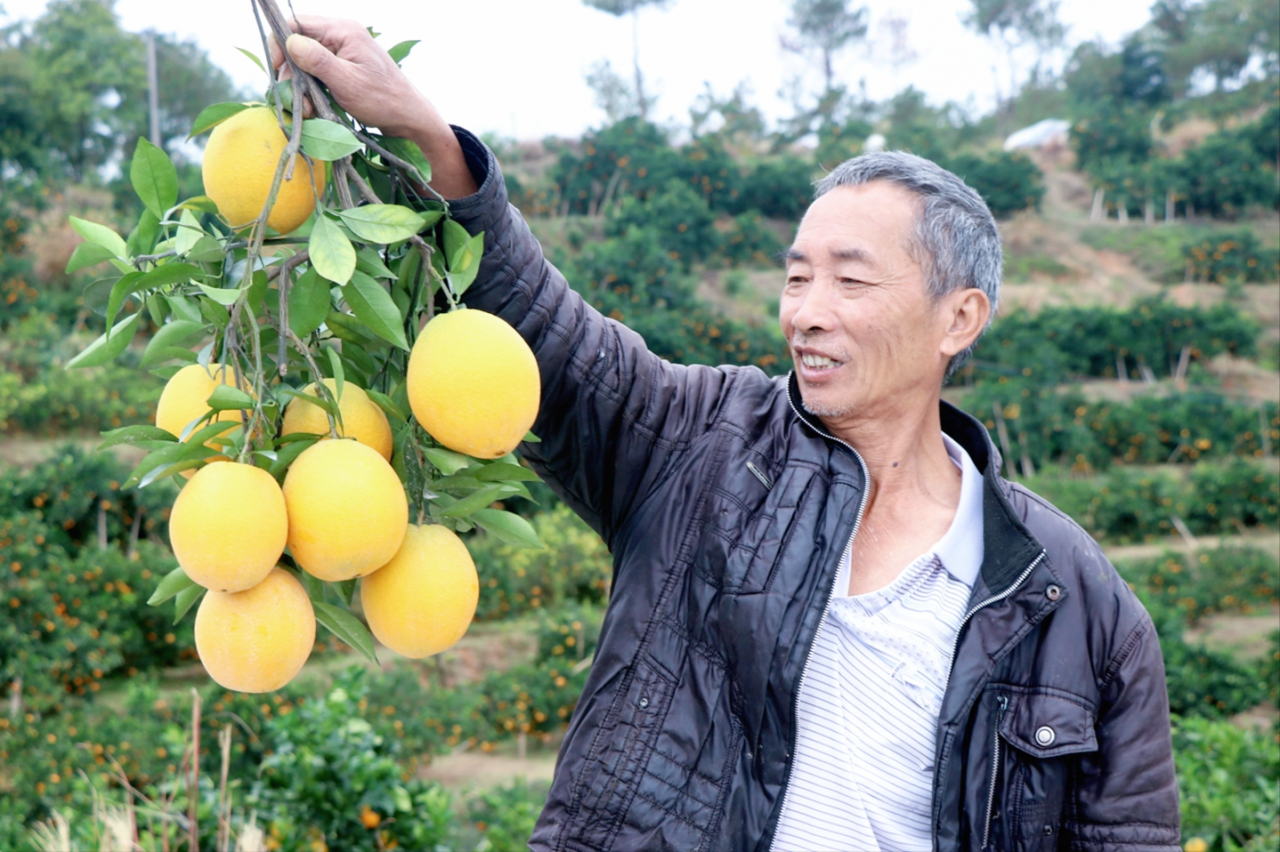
(153,89)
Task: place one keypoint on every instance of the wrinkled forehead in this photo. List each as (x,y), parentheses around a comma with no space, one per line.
(860,223)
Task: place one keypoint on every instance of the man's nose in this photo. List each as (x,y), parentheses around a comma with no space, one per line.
(814,312)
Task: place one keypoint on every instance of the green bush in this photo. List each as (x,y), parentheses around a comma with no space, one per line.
(1191,588)
(332,777)
(40,396)
(1224,177)
(1230,256)
(677,216)
(747,241)
(573,568)
(1205,683)
(1058,343)
(1136,504)
(1228,781)
(779,188)
(506,816)
(1008,182)
(72,621)
(1052,426)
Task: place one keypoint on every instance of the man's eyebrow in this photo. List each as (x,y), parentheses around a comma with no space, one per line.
(850,253)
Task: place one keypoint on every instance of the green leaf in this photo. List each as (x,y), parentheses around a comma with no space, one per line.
(206,250)
(170,335)
(228,398)
(203,203)
(446,461)
(339,378)
(384,402)
(134,434)
(382,223)
(184,600)
(173,583)
(374,307)
(254,57)
(143,238)
(211,116)
(332,254)
(293,393)
(86,255)
(412,154)
(166,461)
(154,178)
(100,235)
(327,140)
(226,298)
(370,263)
(430,217)
(286,454)
(346,627)
(188,233)
(465,265)
(502,471)
(309,303)
(456,238)
(313,584)
(209,431)
(530,438)
(120,291)
(170,273)
(509,527)
(479,500)
(107,346)
(400,51)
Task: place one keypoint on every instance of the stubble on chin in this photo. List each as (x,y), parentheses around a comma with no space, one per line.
(830,411)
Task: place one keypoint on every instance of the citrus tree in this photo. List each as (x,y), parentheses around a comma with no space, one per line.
(313,397)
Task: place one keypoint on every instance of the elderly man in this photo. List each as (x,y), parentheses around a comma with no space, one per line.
(833,625)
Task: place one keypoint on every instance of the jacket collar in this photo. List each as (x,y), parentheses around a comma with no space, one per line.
(1009,547)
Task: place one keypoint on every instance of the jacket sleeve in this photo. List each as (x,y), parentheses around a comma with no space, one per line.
(1127,795)
(613,415)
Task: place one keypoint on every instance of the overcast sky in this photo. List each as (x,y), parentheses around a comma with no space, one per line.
(517,67)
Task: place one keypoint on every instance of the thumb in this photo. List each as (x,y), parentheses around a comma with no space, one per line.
(312,56)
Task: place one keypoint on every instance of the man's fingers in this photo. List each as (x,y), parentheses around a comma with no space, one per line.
(314,58)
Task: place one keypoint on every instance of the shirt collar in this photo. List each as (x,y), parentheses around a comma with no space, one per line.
(961,549)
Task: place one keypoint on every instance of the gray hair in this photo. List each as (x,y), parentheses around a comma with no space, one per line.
(956,240)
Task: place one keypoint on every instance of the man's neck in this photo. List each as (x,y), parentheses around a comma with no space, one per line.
(903,451)
(912,492)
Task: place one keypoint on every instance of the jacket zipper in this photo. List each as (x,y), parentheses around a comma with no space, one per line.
(826,607)
(1013,587)
(1003,704)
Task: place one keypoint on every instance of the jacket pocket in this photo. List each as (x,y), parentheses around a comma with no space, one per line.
(612,774)
(1045,732)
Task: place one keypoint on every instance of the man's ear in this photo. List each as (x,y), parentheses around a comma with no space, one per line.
(966,313)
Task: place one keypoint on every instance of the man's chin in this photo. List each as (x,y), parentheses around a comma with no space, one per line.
(824,408)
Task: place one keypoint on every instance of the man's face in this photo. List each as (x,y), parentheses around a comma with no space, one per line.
(864,333)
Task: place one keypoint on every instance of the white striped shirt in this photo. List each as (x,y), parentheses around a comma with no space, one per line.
(867,715)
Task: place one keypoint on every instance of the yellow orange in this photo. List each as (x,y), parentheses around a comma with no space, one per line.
(422,601)
(362,419)
(347,510)
(240,164)
(185,398)
(473,383)
(258,639)
(229,526)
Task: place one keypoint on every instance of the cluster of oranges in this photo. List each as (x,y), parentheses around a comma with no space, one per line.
(341,511)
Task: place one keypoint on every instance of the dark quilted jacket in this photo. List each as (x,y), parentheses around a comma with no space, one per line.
(727,508)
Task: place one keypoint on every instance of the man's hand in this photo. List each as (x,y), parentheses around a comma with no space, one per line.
(368,84)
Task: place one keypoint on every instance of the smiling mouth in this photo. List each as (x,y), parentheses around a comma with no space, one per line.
(817,362)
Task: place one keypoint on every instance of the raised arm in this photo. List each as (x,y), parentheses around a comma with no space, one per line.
(613,415)
(368,84)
